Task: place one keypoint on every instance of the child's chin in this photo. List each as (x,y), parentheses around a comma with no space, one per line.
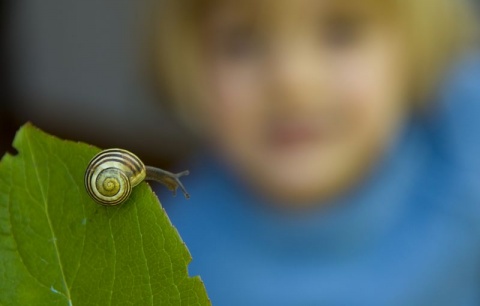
(300,187)
(303,197)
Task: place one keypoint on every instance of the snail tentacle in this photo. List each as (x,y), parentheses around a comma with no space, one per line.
(170,180)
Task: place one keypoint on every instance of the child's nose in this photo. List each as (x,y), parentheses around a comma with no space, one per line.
(296,77)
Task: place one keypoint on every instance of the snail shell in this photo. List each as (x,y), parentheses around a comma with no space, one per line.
(112,174)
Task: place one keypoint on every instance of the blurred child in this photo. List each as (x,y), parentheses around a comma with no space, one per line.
(341,166)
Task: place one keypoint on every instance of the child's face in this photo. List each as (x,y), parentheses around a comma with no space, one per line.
(302,100)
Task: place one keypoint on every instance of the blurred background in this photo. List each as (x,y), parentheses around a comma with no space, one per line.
(76,70)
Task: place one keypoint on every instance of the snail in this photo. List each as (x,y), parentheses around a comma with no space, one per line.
(112,173)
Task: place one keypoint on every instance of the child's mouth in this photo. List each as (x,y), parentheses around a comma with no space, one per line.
(294,134)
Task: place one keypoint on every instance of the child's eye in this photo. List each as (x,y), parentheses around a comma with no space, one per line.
(342,32)
(240,44)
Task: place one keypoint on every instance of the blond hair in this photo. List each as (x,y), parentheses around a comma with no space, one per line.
(438,32)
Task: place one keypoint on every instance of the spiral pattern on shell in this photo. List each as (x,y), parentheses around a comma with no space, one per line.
(112,174)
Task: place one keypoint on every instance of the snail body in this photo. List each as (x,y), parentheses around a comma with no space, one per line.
(112,174)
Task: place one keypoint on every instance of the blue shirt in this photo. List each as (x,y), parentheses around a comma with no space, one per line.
(410,235)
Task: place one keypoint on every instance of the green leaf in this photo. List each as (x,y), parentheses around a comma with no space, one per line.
(58,247)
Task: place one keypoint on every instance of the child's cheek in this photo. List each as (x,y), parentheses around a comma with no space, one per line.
(357,80)
(235,85)
(235,104)
(370,87)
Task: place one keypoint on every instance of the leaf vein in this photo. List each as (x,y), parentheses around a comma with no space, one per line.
(144,255)
(84,215)
(67,293)
(16,242)
(114,257)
